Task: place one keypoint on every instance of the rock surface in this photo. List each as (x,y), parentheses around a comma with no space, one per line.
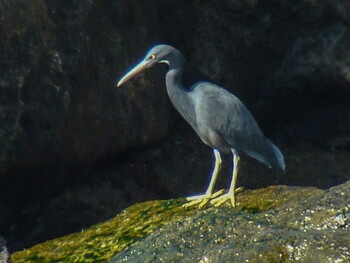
(59,109)
(283,224)
(273,224)
(275,53)
(58,102)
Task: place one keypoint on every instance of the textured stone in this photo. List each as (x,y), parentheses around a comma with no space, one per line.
(59,108)
(280,57)
(273,224)
(58,102)
(282,224)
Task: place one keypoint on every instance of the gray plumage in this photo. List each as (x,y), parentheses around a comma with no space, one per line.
(219,118)
(230,125)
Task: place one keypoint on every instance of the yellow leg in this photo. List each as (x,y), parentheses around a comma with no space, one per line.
(230,195)
(202,200)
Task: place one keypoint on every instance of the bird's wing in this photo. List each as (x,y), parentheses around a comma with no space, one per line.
(220,111)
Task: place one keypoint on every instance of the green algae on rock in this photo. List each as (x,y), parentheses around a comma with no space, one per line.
(274,224)
(100,242)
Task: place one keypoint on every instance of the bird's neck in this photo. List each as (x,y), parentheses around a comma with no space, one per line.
(178,95)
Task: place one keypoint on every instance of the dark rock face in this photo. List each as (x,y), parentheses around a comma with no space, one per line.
(60,60)
(284,56)
(59,108)
(58,100)
(287,225)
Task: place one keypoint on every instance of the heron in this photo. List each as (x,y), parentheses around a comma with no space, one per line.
(219,118)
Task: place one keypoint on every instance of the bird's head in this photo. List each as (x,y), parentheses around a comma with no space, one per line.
(158,54)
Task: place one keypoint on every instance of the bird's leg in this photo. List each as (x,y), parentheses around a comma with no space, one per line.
(203,199)
(230,195)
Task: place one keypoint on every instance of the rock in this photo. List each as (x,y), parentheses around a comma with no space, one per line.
(58,101)
(273,224)
(100,242)
(282,224)
(60,111)
(281,58)
(4,255)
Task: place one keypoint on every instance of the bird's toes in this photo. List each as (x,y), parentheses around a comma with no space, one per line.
(222,199)
(233,202)
(218,193)
(239,190)
(204,202)
(194,198)
(201,201)
(217,199)
(192,203)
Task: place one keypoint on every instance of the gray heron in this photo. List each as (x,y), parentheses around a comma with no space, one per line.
(219,118)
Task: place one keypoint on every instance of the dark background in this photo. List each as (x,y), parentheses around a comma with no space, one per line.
(75,150)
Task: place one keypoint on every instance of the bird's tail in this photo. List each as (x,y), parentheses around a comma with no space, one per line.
(279,159)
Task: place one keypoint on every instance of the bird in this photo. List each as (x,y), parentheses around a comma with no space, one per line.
(218,117)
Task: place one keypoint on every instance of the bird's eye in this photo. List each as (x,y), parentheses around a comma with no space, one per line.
(153,57)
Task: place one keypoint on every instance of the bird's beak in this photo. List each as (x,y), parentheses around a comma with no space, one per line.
(144,64)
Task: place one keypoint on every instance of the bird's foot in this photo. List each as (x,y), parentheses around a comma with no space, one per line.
(202,200)
(218,201)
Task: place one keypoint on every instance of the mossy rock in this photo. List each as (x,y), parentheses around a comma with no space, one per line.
(273,224)
(100,242)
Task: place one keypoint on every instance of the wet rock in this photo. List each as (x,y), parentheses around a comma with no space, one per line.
(273,224)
